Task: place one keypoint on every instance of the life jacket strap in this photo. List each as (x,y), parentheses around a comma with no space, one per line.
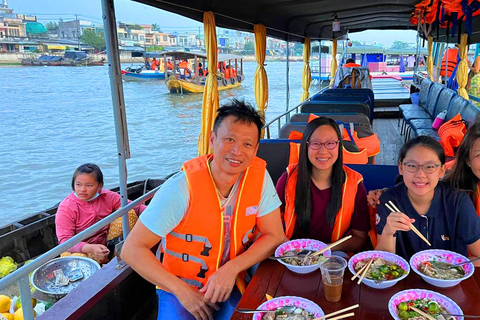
(190,237)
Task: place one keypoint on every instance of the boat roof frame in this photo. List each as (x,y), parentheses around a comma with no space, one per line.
(193,54)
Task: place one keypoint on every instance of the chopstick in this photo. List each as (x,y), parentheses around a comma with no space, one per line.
(337,312)
(360,271)
(365,271)
(331,245)
(426,315)
(351,314)
(393,208)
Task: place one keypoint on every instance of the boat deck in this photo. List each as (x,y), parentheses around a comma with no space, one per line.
(391,141)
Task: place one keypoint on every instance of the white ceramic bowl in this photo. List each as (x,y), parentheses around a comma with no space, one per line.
(298,302)
(301,244)
(385,256)
(442,256)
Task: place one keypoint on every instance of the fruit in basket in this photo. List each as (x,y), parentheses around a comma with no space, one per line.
(7,265)
(19,314)
(5,302)
(7,316)
(18,304)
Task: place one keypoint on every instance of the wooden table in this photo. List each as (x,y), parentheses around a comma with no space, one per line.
(276,280)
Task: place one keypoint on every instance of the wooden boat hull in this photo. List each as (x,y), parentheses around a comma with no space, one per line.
(184,86)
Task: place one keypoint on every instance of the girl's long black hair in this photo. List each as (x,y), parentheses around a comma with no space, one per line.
(461,176)
(303,195)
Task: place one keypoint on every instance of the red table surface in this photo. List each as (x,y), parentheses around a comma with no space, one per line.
(276,280)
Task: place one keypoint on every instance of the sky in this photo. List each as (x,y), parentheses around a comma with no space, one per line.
(134,12)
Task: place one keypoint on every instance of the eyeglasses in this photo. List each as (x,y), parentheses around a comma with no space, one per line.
(427,167)
(329,145)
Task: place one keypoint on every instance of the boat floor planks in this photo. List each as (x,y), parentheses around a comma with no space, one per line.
(390,140)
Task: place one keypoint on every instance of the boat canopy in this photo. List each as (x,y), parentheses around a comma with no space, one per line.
(192,54)
(294,20)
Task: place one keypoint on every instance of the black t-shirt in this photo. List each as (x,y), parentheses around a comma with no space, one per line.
(451,222)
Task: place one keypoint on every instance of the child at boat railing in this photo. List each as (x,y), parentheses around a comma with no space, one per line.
(86,205)
(445,216)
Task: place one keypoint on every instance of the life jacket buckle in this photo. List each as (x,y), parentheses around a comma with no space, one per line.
(188,237)
(185,257)
(206,251)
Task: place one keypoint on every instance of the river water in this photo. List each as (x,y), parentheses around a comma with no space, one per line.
(52,119)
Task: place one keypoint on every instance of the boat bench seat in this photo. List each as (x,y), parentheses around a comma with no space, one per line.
(468,111)
(425,87)
(361,129)
(350,91)
(337,107)
(353,117)
(428,112)
(276,153)
(346,95)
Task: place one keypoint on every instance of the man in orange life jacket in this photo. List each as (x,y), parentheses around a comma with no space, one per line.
(350,63)
(207,216)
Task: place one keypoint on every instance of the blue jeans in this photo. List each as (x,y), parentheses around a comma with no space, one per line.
(170,308)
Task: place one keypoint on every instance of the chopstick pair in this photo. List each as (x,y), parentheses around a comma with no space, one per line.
(351,314)
(363,271)
(393,208)
(331,245)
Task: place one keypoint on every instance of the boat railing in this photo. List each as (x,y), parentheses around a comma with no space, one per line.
(285,115)
(21,275)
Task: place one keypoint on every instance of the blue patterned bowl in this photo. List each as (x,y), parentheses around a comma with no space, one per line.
(298,302)
(442,256)
(385,256)
(301,244)
(414,294)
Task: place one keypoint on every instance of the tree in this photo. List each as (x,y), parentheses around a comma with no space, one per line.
(397,44)
(94,39)
(249,47)
(52,26)
(156,27)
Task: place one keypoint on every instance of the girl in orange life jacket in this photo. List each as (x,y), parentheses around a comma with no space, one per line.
(445,216)
(322,199)
(467,161)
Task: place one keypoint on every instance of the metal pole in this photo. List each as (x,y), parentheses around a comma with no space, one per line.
(118,101)
(287,82)
(26,298)
(320,62)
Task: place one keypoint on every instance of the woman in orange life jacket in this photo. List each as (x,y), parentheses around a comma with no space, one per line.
(321,198)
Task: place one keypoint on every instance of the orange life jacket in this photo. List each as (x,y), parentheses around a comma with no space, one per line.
(370,143)
(153,66)
(193,250)
(351,65)
(452,61)
(451,134)
(344,215)
(183,64)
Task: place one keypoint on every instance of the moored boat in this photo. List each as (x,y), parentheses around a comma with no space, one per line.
(192,80)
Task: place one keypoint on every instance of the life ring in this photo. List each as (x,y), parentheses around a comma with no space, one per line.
(128,69)
(233,80)
(239,78)
(138,70)
(224,82)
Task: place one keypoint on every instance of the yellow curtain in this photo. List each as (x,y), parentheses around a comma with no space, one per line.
(210,94)
(307,76)
(462,71)
(430,58)
(261,80)
(333,64)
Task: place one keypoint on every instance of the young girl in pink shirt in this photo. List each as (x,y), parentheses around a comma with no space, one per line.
(86,205)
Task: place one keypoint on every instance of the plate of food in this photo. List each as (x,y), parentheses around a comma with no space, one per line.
(301,309)
(402,304)
(385,270)
(307,261)
(438,267)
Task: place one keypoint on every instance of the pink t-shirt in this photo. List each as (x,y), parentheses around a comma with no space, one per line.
(74,215)
(319,229)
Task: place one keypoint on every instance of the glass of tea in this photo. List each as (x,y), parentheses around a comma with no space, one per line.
(332,277)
